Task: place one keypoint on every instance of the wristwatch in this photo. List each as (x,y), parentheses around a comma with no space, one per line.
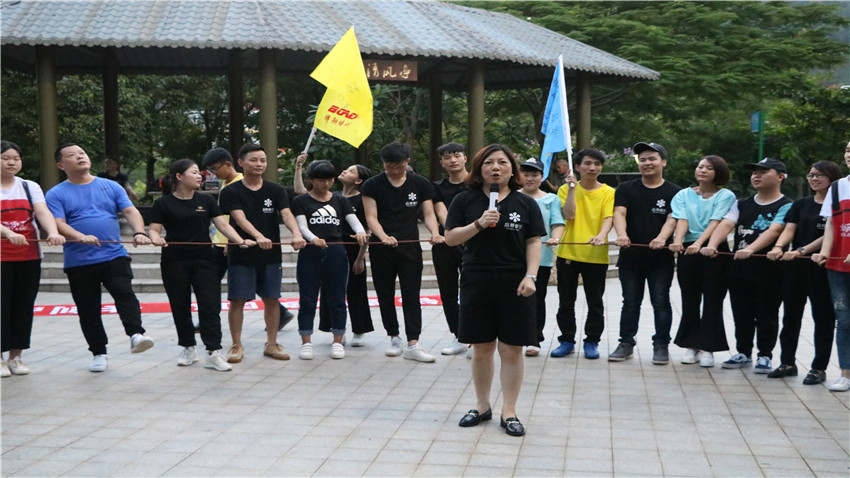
(534,278)
(802,250)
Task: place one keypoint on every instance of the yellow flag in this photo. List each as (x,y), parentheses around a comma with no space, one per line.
(346,109)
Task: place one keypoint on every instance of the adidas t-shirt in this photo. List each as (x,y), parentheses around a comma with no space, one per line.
(324,218)
(398,207)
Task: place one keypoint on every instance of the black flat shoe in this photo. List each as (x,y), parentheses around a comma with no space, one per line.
(815,377)
(473,418)
(783,371)
(512,426)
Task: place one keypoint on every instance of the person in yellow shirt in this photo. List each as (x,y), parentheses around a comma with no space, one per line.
(588,210)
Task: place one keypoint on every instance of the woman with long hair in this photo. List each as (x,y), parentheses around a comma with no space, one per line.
(803,279)
(497,284)
(698,211)
(22,204)
(186,215)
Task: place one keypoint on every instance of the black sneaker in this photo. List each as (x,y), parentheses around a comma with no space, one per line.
(815,377)
(783,371)
(660,356)
(285,317)
(621,353)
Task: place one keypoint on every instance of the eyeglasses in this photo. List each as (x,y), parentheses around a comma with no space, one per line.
(815,176)
(214,168)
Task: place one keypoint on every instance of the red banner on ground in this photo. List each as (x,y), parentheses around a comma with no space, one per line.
(163,307)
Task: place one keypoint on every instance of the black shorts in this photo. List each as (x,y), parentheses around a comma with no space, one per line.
(490,308)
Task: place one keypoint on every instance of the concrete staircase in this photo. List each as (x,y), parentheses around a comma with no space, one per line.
(147,276)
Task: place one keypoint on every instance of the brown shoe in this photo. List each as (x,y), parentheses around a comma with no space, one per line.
(234,354)
(276,352)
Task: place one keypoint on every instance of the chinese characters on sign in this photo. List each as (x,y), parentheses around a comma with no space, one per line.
(390,70)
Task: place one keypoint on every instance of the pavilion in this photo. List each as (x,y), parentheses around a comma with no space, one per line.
(438,45)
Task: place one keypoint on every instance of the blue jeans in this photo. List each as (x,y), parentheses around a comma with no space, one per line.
(839,286)
(632,280)
(324,269)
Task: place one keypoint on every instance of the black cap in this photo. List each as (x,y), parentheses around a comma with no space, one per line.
(532,163)
(769,163)
(216,155)
(641,147)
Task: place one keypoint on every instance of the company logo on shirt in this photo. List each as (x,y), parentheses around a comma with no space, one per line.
(324,215)
(514,225)
(660,207)
(267,206)
(844,230)
(411,200)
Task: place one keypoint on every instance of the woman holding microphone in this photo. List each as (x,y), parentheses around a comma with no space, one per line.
(501,229)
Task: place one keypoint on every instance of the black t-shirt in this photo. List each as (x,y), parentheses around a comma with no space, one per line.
(754,219)
(445,192)
(647,211)
(262,209)
(356,202)
(805,213)
(185,220)
(398,207)
(324,218)
(503,246)
(119,178)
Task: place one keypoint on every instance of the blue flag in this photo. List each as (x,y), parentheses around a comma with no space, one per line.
(556,121)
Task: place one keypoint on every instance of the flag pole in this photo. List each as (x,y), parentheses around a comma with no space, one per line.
(310,139)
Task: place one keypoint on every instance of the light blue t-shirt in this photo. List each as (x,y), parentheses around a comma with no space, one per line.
(93,210)
(698,211)
(550,209)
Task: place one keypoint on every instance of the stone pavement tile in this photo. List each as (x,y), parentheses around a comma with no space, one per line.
(342,468)
(391,469)
(633,462)
(789,463)
(685,441)
(453,446)
(364,443)
(483,460)
(678,463)
(123,457)
(96,469)
(486,471)
(733,465)
(400,456)
(829,466)
(431,470)
(446,458)
(776,447)
(535,472)
(46,468)
(586,465)
(554,463)
(296,466)
(190,471)
(143,469)
(355,454)
(309,451)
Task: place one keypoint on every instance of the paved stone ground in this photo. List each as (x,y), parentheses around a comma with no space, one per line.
(369,415)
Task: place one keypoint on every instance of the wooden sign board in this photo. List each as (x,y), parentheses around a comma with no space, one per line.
(385,70)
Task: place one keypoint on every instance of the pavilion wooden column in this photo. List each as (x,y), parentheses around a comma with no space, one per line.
(583,136)
(268,111)
(48,123)
(110,106)
(236,100)
(475,105)
(435,125)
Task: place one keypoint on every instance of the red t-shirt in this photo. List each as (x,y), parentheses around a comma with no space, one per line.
(16,213)
(840,225)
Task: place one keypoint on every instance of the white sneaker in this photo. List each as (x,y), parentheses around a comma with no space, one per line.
(218,361)
(454,348)
(706,359)
(4,369)
(840,385)
(17,366)
(337,351)
(139,343)
(187,357)
(416,352)
(98,363)
(358,340)
(395,347)
(306,351)
(690,356)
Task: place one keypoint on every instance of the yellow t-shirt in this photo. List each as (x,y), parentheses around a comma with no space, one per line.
(219,237)
(592,207)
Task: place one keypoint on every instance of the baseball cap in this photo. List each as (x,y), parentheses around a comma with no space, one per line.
(641,147)
(532,163)
(769,163)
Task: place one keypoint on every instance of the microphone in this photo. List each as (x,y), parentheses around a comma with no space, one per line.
(494,195)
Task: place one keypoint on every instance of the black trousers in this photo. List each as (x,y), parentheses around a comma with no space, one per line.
(404,262)
(593,276)
(755,294)
(18,288)
(803,279)
(356,295)
(702,280)
(542,285)
(180,278)
(116,276)
(447,262)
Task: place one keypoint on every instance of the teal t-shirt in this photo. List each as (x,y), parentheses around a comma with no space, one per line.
(698,211)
